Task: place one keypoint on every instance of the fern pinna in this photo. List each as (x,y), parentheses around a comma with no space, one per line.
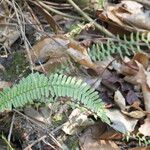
(120,46)
(36,86)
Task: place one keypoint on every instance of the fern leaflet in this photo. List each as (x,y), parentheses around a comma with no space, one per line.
(36,86)
(120,46)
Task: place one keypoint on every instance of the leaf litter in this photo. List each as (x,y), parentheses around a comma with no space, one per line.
(123,83)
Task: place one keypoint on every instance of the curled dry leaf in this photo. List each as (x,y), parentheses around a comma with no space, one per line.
(134,110)
(59,47)
(128,15)
(142,58)
(80,55)
(134,114)
(130,66)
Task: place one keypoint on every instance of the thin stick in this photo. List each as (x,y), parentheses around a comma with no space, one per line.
(11,127)
(38,126)
(56,11)
(23,35)
(36,141)
(98,26)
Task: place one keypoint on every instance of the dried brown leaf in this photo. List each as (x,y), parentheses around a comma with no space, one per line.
(96,138)
(58,47)
(134,114)
(128,14)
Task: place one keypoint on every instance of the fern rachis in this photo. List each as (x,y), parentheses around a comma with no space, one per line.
(36,86)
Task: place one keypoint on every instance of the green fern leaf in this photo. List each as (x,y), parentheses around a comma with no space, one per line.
(36,86)
(123,47)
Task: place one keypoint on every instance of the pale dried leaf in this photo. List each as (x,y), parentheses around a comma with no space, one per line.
(120,100)
(121,122)
(134,114)
(78,120)
(145,128)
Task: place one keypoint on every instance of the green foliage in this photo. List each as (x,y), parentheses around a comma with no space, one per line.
(36,86)
(120,46)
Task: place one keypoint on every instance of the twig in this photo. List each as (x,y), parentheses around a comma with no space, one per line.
(23,34)
(59,145)
(98,26)
(36,141)
(55,11)
(11,127)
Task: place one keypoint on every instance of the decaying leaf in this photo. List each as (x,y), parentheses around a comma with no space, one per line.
(121,122)
(142,78)
(120,100)
(50,49)
(77,121)
(94,139)
(129,15)
(142,58)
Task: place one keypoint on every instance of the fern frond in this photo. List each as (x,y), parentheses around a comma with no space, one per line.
(123,47)
(36,86)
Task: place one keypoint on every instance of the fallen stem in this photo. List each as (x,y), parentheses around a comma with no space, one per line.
(56,11)
(98,26)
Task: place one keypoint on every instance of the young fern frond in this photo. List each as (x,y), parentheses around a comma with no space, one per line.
(120,46)
(36,86)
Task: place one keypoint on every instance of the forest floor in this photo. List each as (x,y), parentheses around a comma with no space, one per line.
(95,55)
